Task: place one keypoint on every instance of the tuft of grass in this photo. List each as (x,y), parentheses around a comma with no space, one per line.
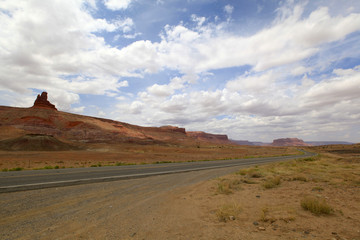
(299,178)
(319,189)
(226,186)
(272,182)
(161,162)
(248,181)
(252,173)
(316,206)
(48,167)
(16,169)
(264,213)
(56,167)
(228,212)
(5,170)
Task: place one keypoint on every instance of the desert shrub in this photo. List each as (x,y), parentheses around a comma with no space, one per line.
(317,189)
(48,167)
(315,206)
(56,167)
(272,182)
(226,186)
(299,178)
(4,170)
(242,172)
(253,173)
(228,212)
(16,169)
(248,181)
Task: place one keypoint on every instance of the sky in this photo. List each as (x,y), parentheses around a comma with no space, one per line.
(255,70)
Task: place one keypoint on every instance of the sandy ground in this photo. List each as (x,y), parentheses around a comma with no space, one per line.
(187,206)
(107,154)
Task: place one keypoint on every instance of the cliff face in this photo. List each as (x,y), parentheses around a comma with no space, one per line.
(174,129)
(203,136)
(289,142)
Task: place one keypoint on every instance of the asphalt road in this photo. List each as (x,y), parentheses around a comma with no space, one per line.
(38,179)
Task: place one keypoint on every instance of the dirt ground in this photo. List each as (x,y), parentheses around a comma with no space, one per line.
(239,205)
(107,154)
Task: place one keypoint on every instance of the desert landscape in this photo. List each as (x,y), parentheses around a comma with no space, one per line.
(41,137)
(293,199)
(157,120)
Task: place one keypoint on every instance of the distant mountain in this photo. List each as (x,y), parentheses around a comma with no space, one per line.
(242,142)
(289,142)
(319,143)
(43,118)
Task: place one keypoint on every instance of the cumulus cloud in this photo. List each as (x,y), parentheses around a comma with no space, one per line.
(60,46)
(294,38)
(229,9)
(117,4)
(52,46)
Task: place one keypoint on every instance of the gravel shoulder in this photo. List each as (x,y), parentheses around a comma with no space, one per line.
(125,209)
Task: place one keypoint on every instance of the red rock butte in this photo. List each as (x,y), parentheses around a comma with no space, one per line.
(42,102)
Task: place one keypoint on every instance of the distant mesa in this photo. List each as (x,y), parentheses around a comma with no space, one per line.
(289,142)
(174,129)
(208,136)
(42,102)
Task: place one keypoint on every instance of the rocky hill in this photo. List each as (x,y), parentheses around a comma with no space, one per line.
(288,142)
(43,118)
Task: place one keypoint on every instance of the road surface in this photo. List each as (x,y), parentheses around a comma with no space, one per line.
(38,179)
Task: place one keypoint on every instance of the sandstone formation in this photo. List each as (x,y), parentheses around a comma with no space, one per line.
(288,142)
(42,102)
(174,129)
(208,136)
(84,129)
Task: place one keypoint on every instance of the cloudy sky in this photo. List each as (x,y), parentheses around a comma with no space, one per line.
(252,69)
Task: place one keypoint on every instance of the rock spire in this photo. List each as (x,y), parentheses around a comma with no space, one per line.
(42,102)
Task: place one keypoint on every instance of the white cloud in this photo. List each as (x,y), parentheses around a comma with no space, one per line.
(254,83)
(285,42)
(117,4)
(344,86)
(229,9)
(166,90)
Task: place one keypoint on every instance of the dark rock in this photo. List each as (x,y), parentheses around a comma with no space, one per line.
(255,223)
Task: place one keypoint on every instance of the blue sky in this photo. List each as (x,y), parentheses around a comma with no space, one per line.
(252,69)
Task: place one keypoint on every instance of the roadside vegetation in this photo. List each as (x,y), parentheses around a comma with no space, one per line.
(98,155)
(316,196)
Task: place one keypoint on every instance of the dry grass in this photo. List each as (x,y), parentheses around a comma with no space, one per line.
(126,153)
(228,212)
(272,182)
(226,186)
(275,199)
(315,205)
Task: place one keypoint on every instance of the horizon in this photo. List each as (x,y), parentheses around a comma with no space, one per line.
(253,70)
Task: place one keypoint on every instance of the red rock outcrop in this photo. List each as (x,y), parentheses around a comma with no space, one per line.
(42,102)
(289,142)
(208,136)
(174,129)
